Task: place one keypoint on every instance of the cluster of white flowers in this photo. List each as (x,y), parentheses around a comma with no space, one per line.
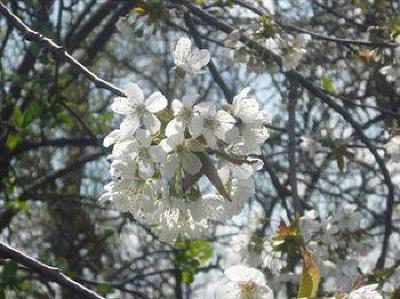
(337,243)
(162,148)
(290,47)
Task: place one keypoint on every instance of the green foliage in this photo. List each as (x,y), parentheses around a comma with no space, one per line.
(395,26)
(10,280)
(104,289)
(288,240)
(310,277)
(9,273)
(13,141)
(327,84)
(190,255)
(340,151)
(32,113)
(18,205)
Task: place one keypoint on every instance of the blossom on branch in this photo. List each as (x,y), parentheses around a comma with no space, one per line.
(245,283)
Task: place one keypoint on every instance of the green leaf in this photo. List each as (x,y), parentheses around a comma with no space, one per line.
(25,285)
(201,250)
(9,273)
(19,205)
(17,117)
(190,255)
(339,153)
(13,141)
(104,288)
(211,172)
(187,276)
(327,84)
(31,113)
(310,277)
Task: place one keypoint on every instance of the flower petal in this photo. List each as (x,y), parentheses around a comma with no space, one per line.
(168,168)
(143,137)
(156,102)
(157,153)
(174,127)
(182,50)
(176,106)
(196,126)
(112,138)
(151,122)
(129,126)
(145,169)
(135,92)
(189,100)
(122,105)
(199,59)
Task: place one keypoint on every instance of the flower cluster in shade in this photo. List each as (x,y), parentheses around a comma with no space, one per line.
(338,243)
(165,148)
(291,48)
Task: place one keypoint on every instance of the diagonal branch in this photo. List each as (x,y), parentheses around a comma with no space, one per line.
(49,273)
(58,51)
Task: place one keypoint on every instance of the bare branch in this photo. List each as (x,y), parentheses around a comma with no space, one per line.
(49,273)
(292,101)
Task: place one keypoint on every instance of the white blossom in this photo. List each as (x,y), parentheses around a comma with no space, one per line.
(138,110)
(211,124)
(366,292)
(190,60)
(141,151)
(180,155)
(184,114)
(245,283)
(249,132)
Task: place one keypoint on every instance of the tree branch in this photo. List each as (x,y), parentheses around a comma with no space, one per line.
(292,101)
(49,273)
(58,51)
